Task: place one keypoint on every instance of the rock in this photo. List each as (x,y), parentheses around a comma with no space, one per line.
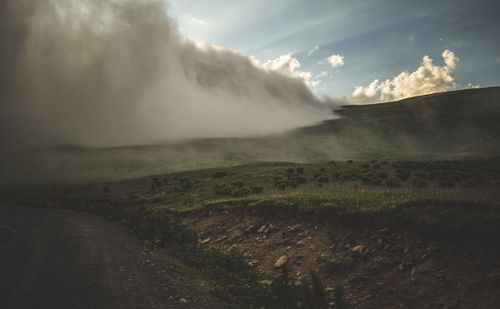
(300,242)
(262,228)
(249,229)
(358,249)
(332,246)
(184,301)
(265,282)
(329,289)
(281,261)
(401,267)
(413,272)
(206,240)
(222,238)
(379,241)
(253,263)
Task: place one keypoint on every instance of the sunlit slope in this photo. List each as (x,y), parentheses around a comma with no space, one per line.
(458,123)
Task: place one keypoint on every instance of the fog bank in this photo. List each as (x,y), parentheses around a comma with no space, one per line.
(110,73)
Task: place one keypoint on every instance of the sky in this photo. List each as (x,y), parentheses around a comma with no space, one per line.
(336,46)
(126,72)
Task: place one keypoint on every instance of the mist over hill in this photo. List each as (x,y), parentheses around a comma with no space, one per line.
(450,125)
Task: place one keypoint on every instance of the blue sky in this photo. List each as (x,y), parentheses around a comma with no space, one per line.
(377,39)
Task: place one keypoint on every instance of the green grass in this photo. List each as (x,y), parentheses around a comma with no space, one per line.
(459,201)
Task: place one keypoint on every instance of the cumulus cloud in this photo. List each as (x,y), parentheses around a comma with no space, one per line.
(472,86)
(312,51)
(288,66)
(428,78)
(336,61)
(107,73)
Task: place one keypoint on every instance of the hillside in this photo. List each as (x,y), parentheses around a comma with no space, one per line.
(440,126)
(450,124)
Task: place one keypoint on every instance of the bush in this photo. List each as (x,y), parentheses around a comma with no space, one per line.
(382,175)
(419,183)
(295,180)
(219,174)
(185,182)
(403,174)
(392,183)
(240,192)
(256,189)
(223,190)
(300,170)
(290,171)
(321,177)
(238,184)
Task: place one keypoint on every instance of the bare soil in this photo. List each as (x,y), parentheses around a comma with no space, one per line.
(378,267)
(62,259)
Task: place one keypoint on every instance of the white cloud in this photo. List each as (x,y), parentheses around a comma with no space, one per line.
(336,61)
(312,51)
(197,21)
(322,74)
(470,85)
(428,78)
(411,38)
(287,65)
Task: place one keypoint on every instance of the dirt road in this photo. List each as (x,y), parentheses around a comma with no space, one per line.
(61,259)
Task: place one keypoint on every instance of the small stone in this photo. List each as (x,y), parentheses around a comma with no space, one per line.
(262,228)
(358,249)
(183,301)
(222,238)
(329,289)
(204,241)
(265,282)
(379,241)
(281,261)
(413,271)
(253,263)
(401,267)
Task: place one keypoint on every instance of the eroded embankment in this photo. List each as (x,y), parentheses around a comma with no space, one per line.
(380,265)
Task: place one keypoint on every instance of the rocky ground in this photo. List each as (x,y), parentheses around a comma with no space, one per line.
(378,267)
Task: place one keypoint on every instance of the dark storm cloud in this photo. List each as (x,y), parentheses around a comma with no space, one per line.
(104,73)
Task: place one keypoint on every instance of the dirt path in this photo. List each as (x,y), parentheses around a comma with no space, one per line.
(61,259)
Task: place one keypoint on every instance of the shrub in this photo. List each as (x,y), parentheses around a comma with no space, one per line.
(223,190)
(185,182)
(219,174)
(382,175)
(256,189)
(295,180)
(300,170)
(290,171)
(280,185)
(392,183)
(402,174)
(238,184)
(321,177)
(240,192)
(419,183)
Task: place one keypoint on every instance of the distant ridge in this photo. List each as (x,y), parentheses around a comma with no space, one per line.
(455,123)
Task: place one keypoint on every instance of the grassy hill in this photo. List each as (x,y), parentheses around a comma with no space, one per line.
(440,126)
(451,124)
